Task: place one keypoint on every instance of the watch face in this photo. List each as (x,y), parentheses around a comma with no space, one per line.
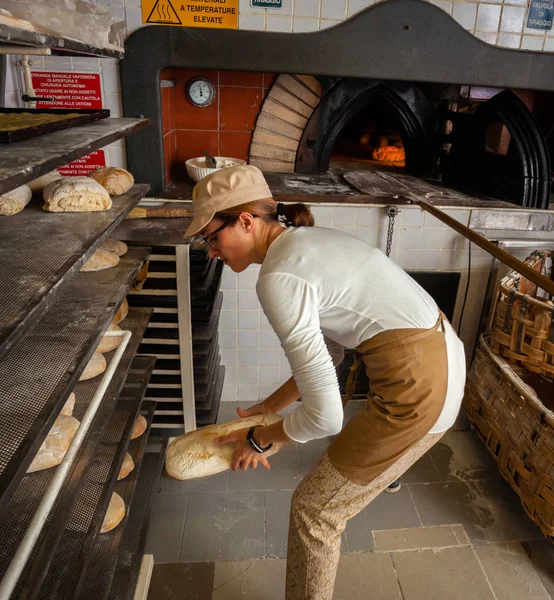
(200,91)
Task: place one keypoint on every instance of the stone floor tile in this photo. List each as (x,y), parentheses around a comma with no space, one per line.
(510,572)
(224,571)
(419,538)
(165,533)
(423,471)
(277,511)
(223,526)
(213,483)
(461,456)
(261,580)
(364,576)
(277,516)
(485,515)
(185,581)
(452,573)
(541,555)
(283,475)
(516,525)
(387,511)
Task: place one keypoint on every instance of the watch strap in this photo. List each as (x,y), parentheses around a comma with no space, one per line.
(252,442)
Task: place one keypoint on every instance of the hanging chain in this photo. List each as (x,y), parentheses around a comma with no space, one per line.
(391,212)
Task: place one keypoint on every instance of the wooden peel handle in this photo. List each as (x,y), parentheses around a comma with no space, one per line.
(155,212)
(481,241)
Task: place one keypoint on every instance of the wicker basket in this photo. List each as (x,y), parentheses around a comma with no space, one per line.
(523,322)
(517,429)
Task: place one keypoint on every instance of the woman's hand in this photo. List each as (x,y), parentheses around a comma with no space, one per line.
(258,409)
(244,456)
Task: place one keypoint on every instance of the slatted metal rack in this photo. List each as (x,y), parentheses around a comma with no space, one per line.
(52,318)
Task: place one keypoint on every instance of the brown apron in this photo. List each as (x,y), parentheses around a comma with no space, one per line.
(408,375)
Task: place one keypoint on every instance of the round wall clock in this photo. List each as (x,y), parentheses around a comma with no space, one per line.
(200,92)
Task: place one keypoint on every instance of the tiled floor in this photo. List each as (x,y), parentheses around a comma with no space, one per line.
(455,531)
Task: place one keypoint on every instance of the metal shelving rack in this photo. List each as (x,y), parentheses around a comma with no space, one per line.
(52,317)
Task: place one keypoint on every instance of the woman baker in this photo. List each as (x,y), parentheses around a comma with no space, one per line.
(323,290)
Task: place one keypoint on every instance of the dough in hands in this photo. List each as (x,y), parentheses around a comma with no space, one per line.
(115,180)
(55,445)
(37,185)
(100,260)
(114,514)
(140,427)
(109,343)
(127,466)
(15,200)
(122,313)
(75,194)
(119,248)
(96,365)
(195,455)
(69,405)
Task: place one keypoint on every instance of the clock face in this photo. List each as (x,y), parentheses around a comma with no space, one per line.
(200,91)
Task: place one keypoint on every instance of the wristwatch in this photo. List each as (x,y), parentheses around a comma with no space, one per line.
(252,442)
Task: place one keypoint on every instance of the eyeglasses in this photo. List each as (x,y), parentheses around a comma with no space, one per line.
(207,239)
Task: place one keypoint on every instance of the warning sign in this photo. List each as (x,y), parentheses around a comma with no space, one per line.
(220,14)
(84,165)
(71,90)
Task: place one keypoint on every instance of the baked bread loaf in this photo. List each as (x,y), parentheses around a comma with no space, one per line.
(115,246)
(37,185)
(140,427)
(109,343)
(15,200)
(75,194)
(116,181)
(127,466)
(195,455)
(96,365)
(122,312)
(100,260)
(114,514)
(55,445)
(69,405)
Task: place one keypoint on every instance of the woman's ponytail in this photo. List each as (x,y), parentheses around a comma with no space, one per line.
(295,215)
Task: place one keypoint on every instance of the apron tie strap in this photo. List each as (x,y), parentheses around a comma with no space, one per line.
(352,379)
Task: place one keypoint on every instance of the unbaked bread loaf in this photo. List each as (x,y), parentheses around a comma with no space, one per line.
(96,365)
(55,445)
(100,260)
(122,312)
(15,200)
(37,185)
(127,466)
(69,405)
(116,181)
(119,248)
(109,343)
(114,514)
(75,194)
(195,455)
(140,427)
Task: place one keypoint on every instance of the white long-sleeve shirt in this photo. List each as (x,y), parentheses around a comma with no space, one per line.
(318,283)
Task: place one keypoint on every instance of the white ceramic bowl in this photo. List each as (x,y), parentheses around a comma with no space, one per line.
(197,169)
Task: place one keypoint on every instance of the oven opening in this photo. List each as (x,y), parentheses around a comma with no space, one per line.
(373,137)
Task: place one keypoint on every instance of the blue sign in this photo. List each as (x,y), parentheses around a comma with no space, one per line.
(267,3)
(540,14)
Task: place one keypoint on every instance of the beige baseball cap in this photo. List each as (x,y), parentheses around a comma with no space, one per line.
(223,189)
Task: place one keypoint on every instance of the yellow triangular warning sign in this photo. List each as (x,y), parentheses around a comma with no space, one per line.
(163,12)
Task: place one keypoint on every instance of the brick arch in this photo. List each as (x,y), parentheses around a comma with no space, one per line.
(284,114)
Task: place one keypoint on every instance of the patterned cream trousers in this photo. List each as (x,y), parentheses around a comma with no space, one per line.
(321,506)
